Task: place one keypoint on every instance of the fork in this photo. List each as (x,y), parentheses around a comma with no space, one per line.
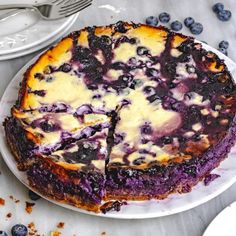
(53,9)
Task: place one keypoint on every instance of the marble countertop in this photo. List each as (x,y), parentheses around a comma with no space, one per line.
(46,215)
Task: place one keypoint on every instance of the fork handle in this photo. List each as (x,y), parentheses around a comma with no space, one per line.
(14,6)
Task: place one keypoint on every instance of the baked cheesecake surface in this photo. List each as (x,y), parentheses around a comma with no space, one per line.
(138,111)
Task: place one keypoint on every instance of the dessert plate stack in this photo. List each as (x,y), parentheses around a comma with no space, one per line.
(26,32)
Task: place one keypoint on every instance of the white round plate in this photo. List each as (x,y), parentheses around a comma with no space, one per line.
(43,44)
(224,222)
(28,29)
(135,209)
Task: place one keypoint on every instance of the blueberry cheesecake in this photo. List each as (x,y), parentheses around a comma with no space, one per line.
(122,112)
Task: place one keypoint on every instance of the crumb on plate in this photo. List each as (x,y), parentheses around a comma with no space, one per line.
(55,233)
(9,215)
(32,230)
(2,202)
(29,206)
(60,225)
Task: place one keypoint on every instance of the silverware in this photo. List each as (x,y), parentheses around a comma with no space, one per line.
(53,9)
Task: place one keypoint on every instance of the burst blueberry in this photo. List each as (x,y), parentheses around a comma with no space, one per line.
(141,51)
(176,25)
(65,67)
(188,21)
(224,44)
(166,140)
(196,28)
(218,7)
(152,20)
(224,15)
(223,50)
(164,17)
(19,230)
(2,233)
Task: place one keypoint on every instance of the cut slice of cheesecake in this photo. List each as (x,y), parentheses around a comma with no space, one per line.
(75,175)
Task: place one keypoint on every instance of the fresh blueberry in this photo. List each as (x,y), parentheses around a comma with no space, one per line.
(19,230)
(188,21)
(33,196)
(164,17)
(223,50)
(218,7)
(2,233)
(152,20)
(224,15)
(224,44)
(196,28)
(176,25)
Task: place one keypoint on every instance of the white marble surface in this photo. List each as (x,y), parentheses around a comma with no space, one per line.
(46,215)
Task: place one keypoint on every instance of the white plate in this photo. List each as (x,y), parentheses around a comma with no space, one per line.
(27,30)
(224,223)
(135,209)
(44,44)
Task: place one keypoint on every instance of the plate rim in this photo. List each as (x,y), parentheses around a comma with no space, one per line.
(61,26)
(116,215)
(43,44)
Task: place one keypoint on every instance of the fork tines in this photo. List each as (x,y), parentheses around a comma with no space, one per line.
(72,8)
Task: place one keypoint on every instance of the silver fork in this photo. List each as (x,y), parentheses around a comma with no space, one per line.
(53,9)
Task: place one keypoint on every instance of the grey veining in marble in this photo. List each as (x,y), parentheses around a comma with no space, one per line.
(192,222)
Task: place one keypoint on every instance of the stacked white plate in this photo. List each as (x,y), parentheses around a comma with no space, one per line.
(27,32)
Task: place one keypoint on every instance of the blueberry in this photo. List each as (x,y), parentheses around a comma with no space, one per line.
(164,17)
(152,20)
(118,138)
(223,50)
(196,137)
(38,76)
(65,67)
(176,25)
(224,44)
(47,127)
(224,15)
(2,233)
(218,7)
(167,140)
(142,51)
(146,129)
(188,21)
(149,90)
(196,28)
(151,72)
(33,196)
(19,230)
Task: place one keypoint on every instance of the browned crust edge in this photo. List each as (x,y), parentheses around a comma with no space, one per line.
(69,199)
